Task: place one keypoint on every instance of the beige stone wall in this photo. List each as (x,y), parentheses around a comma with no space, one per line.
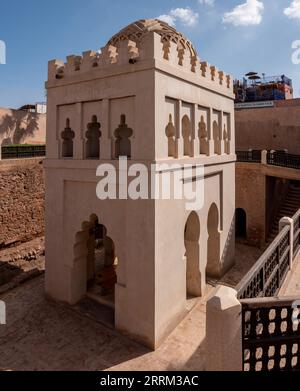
(22,200)
(250,196)
(269,128)
(21,127)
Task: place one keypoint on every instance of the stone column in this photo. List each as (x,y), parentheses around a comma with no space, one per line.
(107,139)
(224,331)
(196,139)
(178,126)
(290,222)
(79,137)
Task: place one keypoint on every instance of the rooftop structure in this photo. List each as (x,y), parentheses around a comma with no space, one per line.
(254,88)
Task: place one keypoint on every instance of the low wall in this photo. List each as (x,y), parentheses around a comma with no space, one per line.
(22,193)
(275,128)
(22,127)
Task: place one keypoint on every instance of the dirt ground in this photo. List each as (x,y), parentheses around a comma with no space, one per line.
(20,263)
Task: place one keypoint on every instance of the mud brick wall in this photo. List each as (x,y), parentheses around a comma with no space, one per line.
(22,193)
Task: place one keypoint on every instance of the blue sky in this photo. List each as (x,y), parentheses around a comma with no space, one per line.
(235,35)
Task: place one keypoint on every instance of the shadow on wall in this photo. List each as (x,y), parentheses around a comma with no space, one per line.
(16,127)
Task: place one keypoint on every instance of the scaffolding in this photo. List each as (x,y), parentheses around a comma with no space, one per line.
(254,88)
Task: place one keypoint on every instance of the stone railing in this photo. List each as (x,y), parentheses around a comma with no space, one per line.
(296,220)
(270,334)
(22,151)
(272,158)
(249,328)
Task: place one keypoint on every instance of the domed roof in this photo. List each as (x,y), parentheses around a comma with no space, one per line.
(138,30)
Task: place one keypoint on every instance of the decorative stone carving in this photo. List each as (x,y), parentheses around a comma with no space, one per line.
(226,140)
(93,139)
(67,136)
(123,134)
(138,30)
(203,136)
(186,134)
(170,133)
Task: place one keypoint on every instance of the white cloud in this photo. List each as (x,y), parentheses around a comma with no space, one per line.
(185,16)
(168,19)
(247,14)
(207,2)
(293,11)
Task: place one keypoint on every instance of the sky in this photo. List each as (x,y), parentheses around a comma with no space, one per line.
(237,36)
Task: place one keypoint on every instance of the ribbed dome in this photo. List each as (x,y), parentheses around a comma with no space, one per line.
(138,30)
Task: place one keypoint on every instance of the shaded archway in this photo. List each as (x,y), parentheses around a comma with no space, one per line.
(96,250)
(240,223)
(213,245)
(191,241)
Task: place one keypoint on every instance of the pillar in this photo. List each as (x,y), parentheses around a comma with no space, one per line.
(224,331)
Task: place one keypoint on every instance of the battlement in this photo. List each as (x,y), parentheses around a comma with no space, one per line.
(127,52)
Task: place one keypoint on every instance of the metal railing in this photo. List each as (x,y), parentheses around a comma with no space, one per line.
(274,158)
(250,156)
(23,151)
(268,274)
(283,159)
(271,335)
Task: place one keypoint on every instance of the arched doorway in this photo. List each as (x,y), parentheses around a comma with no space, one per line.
(191,241)
(213,244)
(101,263)
(240,223)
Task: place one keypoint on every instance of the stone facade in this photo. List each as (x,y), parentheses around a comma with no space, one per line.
(22,193)
(274,128)
(148,97)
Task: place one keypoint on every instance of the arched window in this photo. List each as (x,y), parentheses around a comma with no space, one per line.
(186,134)
(93,135)
(67,136)
(226,138)
(123,143)
(171,133)
(203,137)
(217,138)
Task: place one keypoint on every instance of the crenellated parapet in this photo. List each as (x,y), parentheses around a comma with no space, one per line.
(131,47)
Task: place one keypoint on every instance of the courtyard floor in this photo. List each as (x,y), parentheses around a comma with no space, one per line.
(44,335)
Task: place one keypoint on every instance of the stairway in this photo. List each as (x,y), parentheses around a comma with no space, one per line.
(288,208)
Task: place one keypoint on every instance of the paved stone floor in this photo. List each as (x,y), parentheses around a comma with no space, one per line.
(292,286)
(43,335)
